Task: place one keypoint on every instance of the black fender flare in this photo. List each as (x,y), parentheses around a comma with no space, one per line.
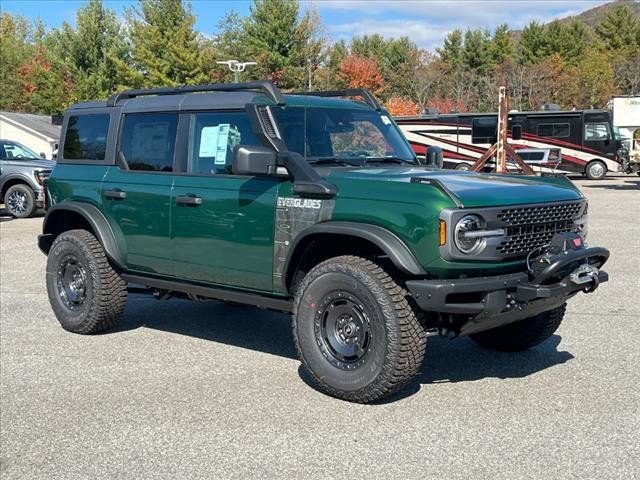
(401,256)
(94,217)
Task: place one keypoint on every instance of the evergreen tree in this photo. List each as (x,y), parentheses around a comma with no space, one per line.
(476,53)
(90,50)
(451,50)
(502,47)
(533,43)
(619,29)
(165,50)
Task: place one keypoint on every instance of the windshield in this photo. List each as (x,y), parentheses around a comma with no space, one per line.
(9,150)
(342,134)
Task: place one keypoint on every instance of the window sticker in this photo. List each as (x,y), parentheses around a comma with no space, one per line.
(215,140)
(385,120)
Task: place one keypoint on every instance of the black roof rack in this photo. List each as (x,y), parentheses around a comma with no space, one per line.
(347,92)
(264,86)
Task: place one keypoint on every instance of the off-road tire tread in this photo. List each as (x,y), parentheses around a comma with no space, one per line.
(111,294)
(518,336)
(404,357)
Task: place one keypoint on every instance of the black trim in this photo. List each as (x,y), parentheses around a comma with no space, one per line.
(388,242)
(262,86)
(237,296)
(96,220)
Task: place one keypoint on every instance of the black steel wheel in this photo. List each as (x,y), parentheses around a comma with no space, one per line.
(20,201)
(86,294)
(354,330)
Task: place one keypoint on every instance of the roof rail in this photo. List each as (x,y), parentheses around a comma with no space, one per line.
(347,92)
(264,86)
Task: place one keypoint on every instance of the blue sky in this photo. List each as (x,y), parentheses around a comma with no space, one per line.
(426,22)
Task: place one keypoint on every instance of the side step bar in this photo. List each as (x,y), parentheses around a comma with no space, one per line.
(261,301)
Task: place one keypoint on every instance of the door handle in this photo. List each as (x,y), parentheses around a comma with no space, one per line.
(190,200)
(115,194)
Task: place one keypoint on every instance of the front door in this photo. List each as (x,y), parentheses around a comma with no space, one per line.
(222,224)
(137,200)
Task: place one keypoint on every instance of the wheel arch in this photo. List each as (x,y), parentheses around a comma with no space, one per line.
(322,241)
(10,182)
(71,215)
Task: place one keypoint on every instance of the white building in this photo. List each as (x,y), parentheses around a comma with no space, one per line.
(34,131)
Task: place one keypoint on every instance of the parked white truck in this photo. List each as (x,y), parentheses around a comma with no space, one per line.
(626,118)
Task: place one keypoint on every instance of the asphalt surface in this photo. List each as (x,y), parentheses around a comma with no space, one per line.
(188,390)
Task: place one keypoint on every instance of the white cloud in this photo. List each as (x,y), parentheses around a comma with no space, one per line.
(427,22)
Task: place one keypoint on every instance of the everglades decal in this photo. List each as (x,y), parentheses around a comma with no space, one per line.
(293,215)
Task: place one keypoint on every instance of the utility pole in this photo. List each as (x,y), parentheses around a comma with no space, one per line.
(501,151)
(236,67)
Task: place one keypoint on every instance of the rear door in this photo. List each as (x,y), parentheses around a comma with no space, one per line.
(222,224)
(137,199)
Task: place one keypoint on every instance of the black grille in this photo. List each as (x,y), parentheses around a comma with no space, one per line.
(266,121)
(529,228)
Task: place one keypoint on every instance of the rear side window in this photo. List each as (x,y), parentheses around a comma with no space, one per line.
(148,141)
(86,137)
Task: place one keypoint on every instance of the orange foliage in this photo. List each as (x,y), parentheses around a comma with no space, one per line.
(446,105)
(402,106)
(361,72)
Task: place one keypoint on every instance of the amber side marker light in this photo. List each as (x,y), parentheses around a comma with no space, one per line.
(443,232)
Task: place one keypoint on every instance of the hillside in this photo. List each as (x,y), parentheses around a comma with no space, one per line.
(593,16)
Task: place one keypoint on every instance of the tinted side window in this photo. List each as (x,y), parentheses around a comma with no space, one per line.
(484,130)
(86,137)
(212,138)
(148,141)
(554,130)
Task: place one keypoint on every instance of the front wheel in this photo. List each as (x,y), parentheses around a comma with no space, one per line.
(20,201)
(523,334)
(596,170)
(354,330)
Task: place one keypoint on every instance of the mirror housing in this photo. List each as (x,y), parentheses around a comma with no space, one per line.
(254,160)
(434,157)
(43,155)
(516,132)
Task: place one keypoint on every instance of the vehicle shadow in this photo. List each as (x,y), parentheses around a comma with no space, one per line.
(627,185)
(446,361)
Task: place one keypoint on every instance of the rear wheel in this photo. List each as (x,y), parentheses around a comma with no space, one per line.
(20,201)
(522,335)
(86,294)
(596,170)
(354,330)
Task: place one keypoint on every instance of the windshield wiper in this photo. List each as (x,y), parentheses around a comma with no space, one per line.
(388,160)
(326,161)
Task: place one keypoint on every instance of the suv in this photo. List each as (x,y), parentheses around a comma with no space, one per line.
(22,175)
(313,204)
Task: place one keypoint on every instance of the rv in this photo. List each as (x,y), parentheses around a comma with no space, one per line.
(585,139)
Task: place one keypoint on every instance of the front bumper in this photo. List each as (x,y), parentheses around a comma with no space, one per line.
(483,303)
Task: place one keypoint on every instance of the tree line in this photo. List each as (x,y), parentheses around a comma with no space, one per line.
(569,63)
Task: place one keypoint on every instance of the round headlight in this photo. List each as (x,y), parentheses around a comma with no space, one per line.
(468,244)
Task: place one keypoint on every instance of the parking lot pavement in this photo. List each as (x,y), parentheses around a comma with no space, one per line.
(189,390)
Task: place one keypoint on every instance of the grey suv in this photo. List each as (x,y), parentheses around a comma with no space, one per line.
(22,176)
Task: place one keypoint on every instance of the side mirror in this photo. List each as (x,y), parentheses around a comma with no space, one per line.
(516,132)
(254,160)
(43,155)
(434,157)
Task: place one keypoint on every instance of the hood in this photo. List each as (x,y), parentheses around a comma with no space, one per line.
(470,189)
(31,163)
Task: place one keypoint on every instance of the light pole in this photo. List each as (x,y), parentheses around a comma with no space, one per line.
(236,67)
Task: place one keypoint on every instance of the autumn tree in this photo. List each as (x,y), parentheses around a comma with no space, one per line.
(402,106)
(362,72)
(15,50)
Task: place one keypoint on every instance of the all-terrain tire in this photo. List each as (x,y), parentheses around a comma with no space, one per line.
(523,334)
(20,201)
(99,294)
(396,340)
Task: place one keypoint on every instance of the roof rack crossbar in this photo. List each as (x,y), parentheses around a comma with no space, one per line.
(263,86)
(347,92)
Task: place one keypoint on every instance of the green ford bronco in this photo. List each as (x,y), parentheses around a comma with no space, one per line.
(313,204)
